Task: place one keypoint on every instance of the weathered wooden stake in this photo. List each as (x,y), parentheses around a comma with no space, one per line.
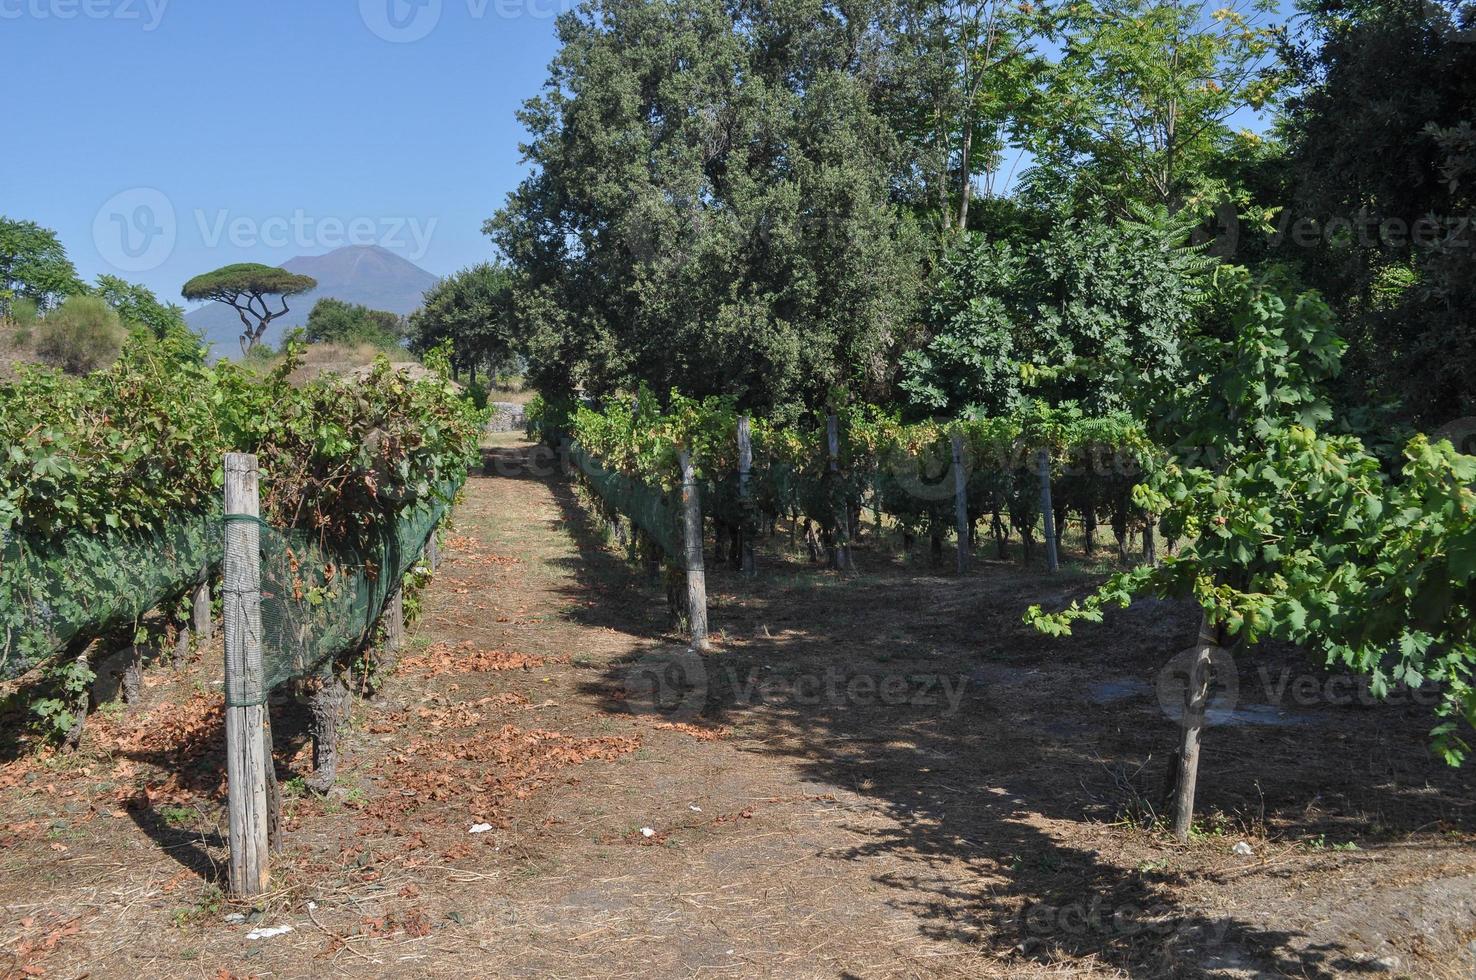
(1048,513)
(745,468)
(246,748)
(840,554)
(1196,698)
(392,616)
(961,504)
(433,551)
(696,576)
(201,622)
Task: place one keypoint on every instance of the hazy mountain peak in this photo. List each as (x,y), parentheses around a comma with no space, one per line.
(367,274)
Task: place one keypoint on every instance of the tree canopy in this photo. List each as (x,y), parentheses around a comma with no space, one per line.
(709,207)
(1379,176)
(1091,313)
(34,266)
(246,287)
(335,321)
(473,310)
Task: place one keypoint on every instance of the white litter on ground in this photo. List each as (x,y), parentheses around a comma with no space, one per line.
(647,832)
(1243,849)
(269,933)
(480,828)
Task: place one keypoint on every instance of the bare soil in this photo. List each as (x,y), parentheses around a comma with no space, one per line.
(884,774)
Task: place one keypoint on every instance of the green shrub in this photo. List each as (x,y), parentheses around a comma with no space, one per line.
(81,336)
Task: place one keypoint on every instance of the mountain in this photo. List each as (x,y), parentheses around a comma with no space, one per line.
(367,274)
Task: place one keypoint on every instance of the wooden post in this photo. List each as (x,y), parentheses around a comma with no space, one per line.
(961,504)
(692,533)
(201,622)
(1048,513)
(1196,697)
(433,550)
(246,747)
(840,554)
(745,468)
(392,616)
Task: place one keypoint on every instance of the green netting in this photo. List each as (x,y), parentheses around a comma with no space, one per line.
(316,600)
(653,510)
(82,584)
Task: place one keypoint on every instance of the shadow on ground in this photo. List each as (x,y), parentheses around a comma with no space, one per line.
(981,740)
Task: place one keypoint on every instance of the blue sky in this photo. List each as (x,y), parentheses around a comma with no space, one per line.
(163,138)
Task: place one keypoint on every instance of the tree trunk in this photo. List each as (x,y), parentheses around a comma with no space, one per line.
(696,574)
(1196,699)
(961,506)
(840,537)
(130,684)
(80,702)
(327,706)
(181,641)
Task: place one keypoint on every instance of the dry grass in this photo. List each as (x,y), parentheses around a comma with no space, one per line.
(320,359)
(17,346)
(977,821)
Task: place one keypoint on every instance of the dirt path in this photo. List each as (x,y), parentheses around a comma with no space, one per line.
(881,776)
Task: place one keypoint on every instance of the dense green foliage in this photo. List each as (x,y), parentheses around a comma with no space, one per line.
(139,308)
(83,334)
(1378,186)
(333,321)
(709,207)
(1297,533)
(1089,314)
(471,310)
(903,470)
(104,477)
(33,266)
(1139,105)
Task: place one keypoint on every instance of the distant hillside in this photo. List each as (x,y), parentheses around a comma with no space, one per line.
(368,274)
